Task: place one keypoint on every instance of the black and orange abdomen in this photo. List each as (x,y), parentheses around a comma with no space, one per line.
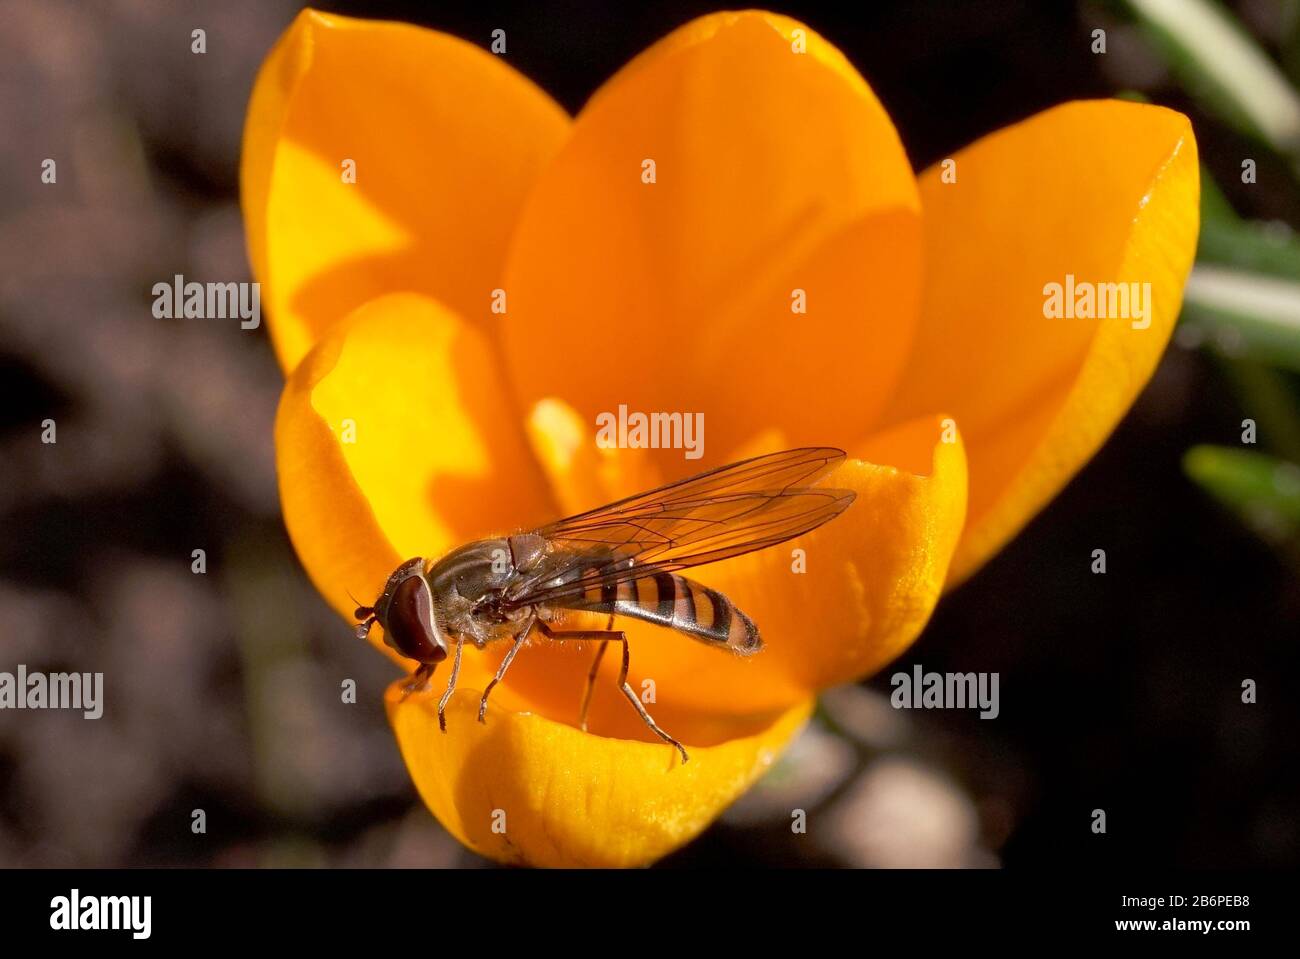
(676,603)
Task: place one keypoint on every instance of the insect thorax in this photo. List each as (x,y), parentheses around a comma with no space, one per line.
(468,584)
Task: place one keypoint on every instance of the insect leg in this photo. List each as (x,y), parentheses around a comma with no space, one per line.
(618,637)
(591,677)
(635,700)
(419,680)
(501,670)
(451,684)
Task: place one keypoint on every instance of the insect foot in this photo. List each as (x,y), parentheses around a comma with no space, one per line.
(419,682)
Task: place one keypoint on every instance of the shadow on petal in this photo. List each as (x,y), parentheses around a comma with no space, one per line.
(444,139)
(396,438)
(522,789)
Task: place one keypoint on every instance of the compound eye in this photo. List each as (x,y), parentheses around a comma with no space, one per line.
(410,622)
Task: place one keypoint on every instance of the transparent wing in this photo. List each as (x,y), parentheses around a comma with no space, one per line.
(725,512)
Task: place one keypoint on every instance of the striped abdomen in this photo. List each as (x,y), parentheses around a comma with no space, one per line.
(677,603)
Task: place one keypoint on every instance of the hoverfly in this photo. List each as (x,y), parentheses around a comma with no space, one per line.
(621,559)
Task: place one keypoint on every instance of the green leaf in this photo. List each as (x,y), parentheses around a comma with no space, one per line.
(1245,313)
(1215,208)
(1227,239)
(1267,248)
(1291,39)
(1223,66)
(1263,490)
(1269,395)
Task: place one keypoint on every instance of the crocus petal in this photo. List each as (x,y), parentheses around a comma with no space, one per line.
(394,439)
(869,581)
(523,789)
(1106,192)
(775,172)
(446,139)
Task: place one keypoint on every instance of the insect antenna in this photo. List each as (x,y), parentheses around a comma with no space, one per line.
(364,613)
(361,612)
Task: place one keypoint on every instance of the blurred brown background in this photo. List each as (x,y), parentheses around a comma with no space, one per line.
(222,690)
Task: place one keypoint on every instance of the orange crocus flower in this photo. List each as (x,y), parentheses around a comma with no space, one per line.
(461,279)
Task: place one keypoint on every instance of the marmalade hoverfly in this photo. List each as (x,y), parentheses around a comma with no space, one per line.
(621,559)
